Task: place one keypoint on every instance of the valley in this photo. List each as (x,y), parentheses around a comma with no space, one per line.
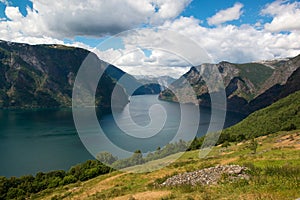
(260,134)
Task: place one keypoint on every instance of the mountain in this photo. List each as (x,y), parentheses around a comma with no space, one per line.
(249,87)
(131,84)
(164,81)
(283,115)
(42,76)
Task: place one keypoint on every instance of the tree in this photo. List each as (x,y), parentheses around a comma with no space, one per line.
(253,145)
(137,158)
(14,193)
(106,158)
(68,179)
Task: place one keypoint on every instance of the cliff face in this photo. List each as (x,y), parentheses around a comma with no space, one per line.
(35,76)
(248,87)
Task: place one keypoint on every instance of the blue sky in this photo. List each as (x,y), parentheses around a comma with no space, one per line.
(204,9)
(198,9)
(236,31)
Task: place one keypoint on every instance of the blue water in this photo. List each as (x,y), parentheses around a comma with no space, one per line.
(45,140)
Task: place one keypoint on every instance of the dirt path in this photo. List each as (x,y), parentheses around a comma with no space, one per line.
(150,195)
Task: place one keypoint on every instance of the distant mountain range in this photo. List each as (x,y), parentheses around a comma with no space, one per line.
(249,87)
(131,84)
(164,81)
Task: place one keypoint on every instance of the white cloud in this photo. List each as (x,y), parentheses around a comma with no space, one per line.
(136,62)
(13,13)
(238,44)
(244,43)
(286,16)
(230,43)
(62,19)
(226,15)
(171,53)
(5,2)
(168,9)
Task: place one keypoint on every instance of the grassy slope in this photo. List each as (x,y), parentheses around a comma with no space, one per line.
(279,116)
(275,175)
(255,72)
(275,166)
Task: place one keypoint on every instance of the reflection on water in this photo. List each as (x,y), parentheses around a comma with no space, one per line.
(45,140)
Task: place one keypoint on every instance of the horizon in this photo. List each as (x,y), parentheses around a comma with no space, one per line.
(233,31)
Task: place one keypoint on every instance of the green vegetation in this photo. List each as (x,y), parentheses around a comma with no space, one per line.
(25,186)
(42,76)
(253,145)
(137,157)
(271,156)
(274,174)
(255,72)
(283,115)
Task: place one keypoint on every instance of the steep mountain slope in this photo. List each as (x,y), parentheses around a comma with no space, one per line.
(43,76)
(249,87)
(283,115)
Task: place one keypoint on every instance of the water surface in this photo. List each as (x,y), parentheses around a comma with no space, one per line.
(45,140)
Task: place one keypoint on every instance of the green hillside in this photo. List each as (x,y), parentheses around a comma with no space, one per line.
(273,163)
(274,174)
(283,115)
(42,76)
(255,72)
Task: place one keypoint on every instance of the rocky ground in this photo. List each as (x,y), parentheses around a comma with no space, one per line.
(208,176)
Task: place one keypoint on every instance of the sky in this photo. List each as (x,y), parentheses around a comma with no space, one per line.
(235,31)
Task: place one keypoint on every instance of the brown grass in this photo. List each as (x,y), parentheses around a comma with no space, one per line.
(102,185)
(149,195)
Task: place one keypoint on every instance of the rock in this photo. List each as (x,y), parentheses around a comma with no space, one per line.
(208,176)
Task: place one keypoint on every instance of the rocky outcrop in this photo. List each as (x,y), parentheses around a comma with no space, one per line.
(208,176)
(249,87)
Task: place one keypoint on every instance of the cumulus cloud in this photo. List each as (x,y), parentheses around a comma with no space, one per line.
(51,22)
(13,13)
(62,19)
(226,15)
(171,53)
(286,16)
(238,44)
(136,62)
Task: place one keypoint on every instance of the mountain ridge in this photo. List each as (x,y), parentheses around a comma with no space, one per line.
(42,76)
(248,86)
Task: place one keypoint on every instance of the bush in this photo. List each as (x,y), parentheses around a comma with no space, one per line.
(54,182)
(25,186)
(253,145)
(226,144)
(68,179)
(290,127)
(15,193)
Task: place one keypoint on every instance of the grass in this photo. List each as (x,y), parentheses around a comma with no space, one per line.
(281,115)
(274,169)
(255,72)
